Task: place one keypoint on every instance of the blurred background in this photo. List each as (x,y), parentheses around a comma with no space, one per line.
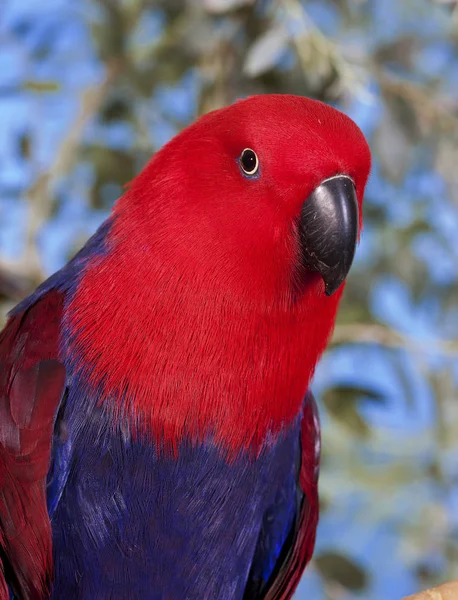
(89,89)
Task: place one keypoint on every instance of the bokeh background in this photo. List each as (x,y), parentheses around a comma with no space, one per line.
(89,89)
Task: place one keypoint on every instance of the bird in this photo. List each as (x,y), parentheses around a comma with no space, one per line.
(158,436)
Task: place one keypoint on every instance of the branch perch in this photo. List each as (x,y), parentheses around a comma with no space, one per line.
(371,333)
(447,591)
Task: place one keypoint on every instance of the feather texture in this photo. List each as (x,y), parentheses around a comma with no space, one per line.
(154,438)
(32,381)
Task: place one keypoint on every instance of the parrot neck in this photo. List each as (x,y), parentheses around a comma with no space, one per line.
(189,362)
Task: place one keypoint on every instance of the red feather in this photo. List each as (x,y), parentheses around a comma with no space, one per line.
(290,573)
(31,385)
(199,297)
(196,320)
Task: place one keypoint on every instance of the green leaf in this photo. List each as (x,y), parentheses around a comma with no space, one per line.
(113,169)
(264,53)
(222,6)
(342,403)
(41,87)
(341,569)
(25,145)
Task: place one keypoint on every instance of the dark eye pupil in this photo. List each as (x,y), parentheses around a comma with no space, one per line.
(249,160)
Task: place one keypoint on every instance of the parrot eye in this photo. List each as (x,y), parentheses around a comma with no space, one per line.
(249,162)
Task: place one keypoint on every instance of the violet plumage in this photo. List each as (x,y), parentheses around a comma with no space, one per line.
(157,439)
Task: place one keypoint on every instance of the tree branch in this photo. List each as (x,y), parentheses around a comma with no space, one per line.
(447,591)
(370,333)
(39,195)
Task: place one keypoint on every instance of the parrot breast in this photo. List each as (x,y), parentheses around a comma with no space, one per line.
(132,522)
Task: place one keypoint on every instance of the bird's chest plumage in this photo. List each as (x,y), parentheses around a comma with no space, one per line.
(131,522)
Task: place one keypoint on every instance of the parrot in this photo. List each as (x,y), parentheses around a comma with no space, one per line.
(158,436)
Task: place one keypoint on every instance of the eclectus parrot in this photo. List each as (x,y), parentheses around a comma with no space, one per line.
(157,439)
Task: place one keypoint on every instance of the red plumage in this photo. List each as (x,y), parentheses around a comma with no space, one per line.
(301,550)
(233,316)
(192,314)
(31,386)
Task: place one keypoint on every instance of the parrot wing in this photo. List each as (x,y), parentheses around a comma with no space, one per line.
(297,546)
(32,383)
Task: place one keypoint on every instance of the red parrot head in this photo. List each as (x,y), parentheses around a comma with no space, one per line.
(225,267)
(259,195)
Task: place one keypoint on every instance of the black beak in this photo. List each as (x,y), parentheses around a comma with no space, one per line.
(329,230)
